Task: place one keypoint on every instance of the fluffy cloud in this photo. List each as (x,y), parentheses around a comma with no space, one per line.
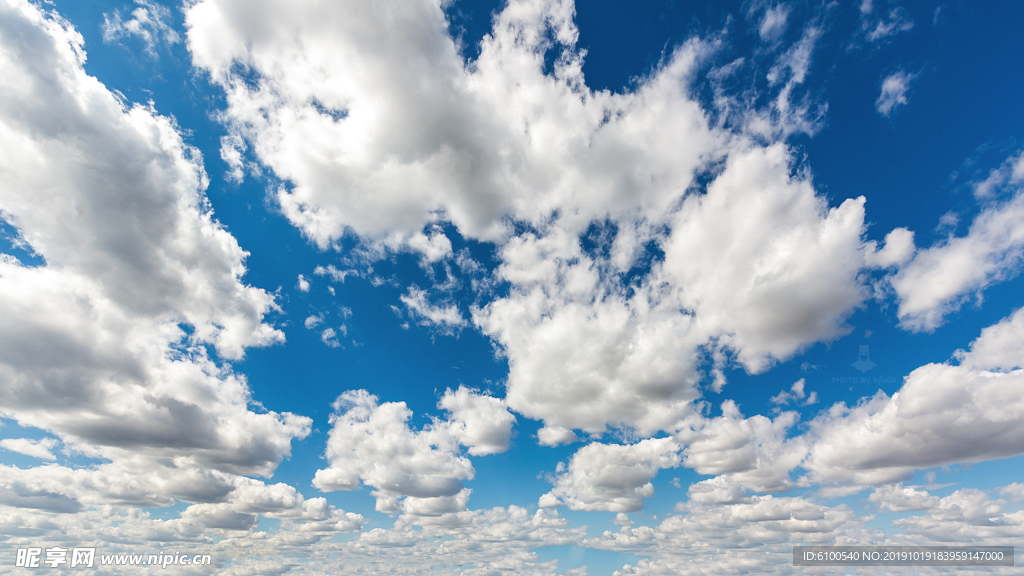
(384,130)
(104,344)
(943,413)
(899,498)
(418,471)
(758,533)
(941,278)
(894,93)
(751,452)
(612,477)
(35,448)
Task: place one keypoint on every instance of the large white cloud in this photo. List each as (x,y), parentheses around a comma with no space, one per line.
(943,413)
(104,344)
(376,125)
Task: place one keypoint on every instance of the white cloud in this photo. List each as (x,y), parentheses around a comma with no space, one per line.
(894,93)
(435,247)
(302,284)
(313,321)
(481,423)
(877,27)
(758,533)
(751,452)
(553,436)
(1008,177)
(899,498)
(384,130)
(612,477)
(413,133)
(942,414)
(148,22)
(373,443)
(968,516)
(941,278)
(334,273)
(330,337)
(784,273)
(795,394)
(446,318)
(103,345)
(34,448)
(773,23)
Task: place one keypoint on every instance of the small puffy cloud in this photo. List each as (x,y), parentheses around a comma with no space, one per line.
(434,247)
(897,249)
(34,448)
(481,423)
(796,392)
(899,498)
(302,284)
(330,337)
(445,318)
(894,93)
(149,21)
(313,321)
(555,435)
(334,273)
(612,477)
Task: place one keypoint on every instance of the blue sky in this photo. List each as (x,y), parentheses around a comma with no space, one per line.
(510,288)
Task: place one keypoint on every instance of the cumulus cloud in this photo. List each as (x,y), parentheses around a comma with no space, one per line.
(750,452)
(943,413)
(612,477)
(758,531)
(899,498)
(941,278)
(34,448)
(104,343)
(387,132)
(480,422)
(894,93)
(417,471)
